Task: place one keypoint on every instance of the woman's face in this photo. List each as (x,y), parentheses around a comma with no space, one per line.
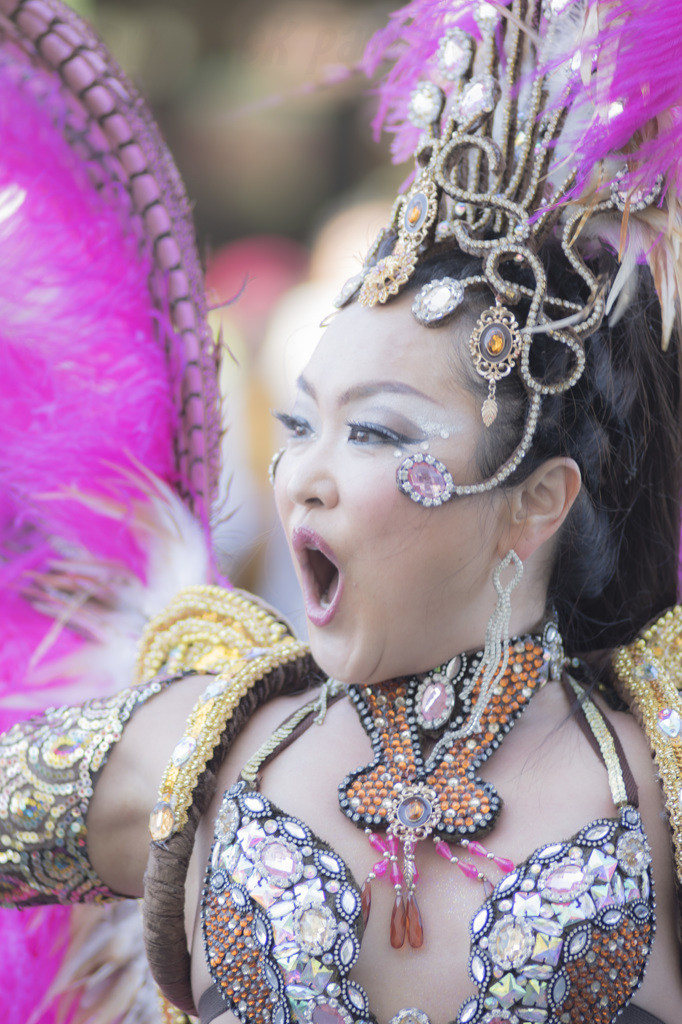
(390,587)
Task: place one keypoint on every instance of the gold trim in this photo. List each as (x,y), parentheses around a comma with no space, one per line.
(202,628)
(650,669)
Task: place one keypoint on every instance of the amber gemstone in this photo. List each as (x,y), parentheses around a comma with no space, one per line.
(366,900)
(414,810)
(415,930)
(414,214)
(495,343)
(398,923)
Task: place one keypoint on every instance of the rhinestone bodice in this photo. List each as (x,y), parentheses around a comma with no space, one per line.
(563,939)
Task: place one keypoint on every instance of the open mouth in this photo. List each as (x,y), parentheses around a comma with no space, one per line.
(325,576)
(320,576)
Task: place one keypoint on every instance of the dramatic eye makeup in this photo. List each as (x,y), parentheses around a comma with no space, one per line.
(295,426)
(363,432)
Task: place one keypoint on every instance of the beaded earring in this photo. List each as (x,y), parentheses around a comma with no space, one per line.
(274,463)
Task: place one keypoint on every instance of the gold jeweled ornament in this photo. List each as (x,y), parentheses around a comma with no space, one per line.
(495,344)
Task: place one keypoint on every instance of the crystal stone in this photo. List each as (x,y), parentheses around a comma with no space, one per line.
(161,821)
(426,480)
(507,991)
(454,54)
(633,853)
(437,299)
(478,969)
(356,997)
(183,751)
(566,881)
(293,828)
(327,1013)
(597,833)
(349,902)
(669,722)
(280,861)
(487,16)
(227,820)
(436,702)
(426,103)
(511,942)
(315,929)
(477,98)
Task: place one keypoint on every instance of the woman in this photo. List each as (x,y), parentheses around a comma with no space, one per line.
(455,499)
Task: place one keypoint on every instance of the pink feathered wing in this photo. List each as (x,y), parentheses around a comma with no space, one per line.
(109,413)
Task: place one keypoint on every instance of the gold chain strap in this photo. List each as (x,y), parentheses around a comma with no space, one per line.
(595,720)
(250,770)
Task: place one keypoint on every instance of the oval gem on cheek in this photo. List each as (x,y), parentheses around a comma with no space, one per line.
(425,479)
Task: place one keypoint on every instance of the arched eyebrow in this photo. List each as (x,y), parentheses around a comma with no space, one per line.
(367,390)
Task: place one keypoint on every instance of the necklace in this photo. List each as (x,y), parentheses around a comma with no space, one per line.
(412,795)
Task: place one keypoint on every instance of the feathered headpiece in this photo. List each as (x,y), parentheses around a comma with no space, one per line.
(529,119)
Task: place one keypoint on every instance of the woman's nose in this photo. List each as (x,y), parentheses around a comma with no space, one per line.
(310,478)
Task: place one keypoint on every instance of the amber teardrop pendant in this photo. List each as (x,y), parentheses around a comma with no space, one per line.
(415,930)
(398,923)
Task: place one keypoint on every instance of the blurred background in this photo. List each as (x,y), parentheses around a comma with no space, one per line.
(270,127)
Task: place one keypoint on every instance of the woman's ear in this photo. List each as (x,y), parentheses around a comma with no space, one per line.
(539,506)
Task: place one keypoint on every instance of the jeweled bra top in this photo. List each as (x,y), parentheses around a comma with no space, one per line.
(563,939)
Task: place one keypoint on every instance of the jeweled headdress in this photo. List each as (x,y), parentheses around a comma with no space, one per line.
(529,119)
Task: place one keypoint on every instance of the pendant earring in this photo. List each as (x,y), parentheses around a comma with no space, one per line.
(274,463)
(496,650)
(494,345)
(426,480)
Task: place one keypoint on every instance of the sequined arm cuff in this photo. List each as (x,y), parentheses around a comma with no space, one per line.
(47,767)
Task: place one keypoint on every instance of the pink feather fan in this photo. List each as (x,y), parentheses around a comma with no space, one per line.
(109,417)
(617,62)
(109,431)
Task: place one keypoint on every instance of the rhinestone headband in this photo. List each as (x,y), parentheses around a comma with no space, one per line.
(499,114)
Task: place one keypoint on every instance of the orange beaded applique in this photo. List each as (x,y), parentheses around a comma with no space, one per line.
(412,796)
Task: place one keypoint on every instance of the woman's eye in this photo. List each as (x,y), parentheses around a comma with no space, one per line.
(373,433)
(295,426)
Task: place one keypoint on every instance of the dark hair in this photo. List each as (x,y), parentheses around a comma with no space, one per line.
(618,554)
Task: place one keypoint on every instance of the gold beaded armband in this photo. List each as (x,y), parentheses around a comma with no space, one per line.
(650,669)
(47,765)
(214,630)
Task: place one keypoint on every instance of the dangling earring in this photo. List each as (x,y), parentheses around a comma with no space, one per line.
(274,463)
(496,651)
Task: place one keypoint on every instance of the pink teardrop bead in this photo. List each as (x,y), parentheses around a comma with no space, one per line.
(415,874)
(378,843)
(396,873)
(477,849)
(443,849)
(380,868)
(468,869)
(504,863)
(393,845)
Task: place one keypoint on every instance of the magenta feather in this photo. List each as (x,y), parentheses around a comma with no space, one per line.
(109,411)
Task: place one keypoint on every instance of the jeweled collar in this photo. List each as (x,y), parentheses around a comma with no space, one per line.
(414,795)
